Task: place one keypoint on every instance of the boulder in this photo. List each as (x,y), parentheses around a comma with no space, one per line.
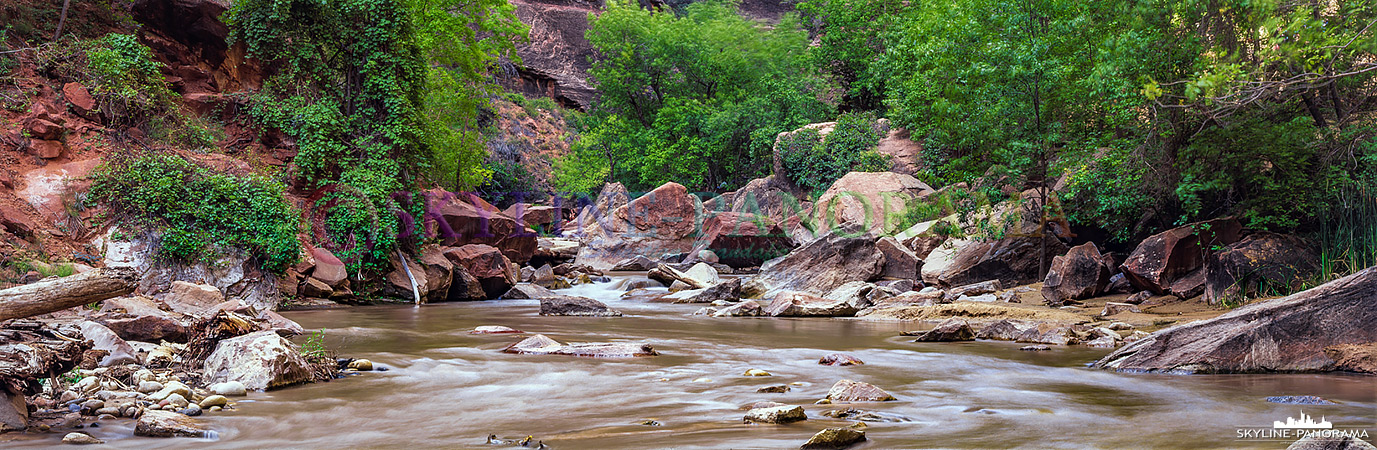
(729,291)
(46,149)
(1079,274)
(776,415)
(556,249)
(802,304)
(768,197)
(834,438)
(970,290)
(117,350)
(79,97)
(150,328)
(486,263)
(868,199)
(14,412)
(567,305)
(464,287)
(399,280)
(950,330)
(1288,334)
(1164,259)
(157,423)
(260,360)
(1354,358)
(741,239)
(636,264)
(44,129)
(900,261)
(820,266)
(543,345)
(1005,330)
(840,359)
(1258,261)
(328,268)
(528,291)
(534,215)
(748,308)
(847,391)
(313,288)
(439,273)
(662,222)
(191,298)
(463,218)
(80,439)
(1011,260)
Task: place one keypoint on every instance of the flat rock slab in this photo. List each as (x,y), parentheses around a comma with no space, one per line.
(568,305)
(544,345)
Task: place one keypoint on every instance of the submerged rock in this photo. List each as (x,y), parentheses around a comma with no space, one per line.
(857,391)
(544,345)
(494,329)
(834,438)
(776,415)
(865,416)
(80,439)
(567,305)
(1299,400)
(1313,442)
(840,359)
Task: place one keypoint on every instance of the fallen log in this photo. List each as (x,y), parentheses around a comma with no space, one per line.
(61,293)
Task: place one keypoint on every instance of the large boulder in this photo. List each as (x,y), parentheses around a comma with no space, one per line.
(486,263)
(660,223)
(464,218)
(1261,260)
(117,350)
(399,279)
(768,197)
(327,267)
(900,261)
(439,272)
(1079,274)
(869,199)
(837,257)
(261,360)
(1011,260)
(950,330)
(1287,334)
(742,239)
(1173,261)
(156,423)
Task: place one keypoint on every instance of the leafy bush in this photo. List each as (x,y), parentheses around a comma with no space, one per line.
(198,210)
(694,98)
(814,163)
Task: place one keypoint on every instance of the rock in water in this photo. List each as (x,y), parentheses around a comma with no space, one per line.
(834,438)
(259,361)
(857,391)
(1288,334)
(495,329)
(950,330)
(1313,442)
(80,439)
(543,345)
(158,423)
(777,414)
(528,290)
(840,359)
(567,305)
(213,400)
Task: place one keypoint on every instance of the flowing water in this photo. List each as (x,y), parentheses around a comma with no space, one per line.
(449,389)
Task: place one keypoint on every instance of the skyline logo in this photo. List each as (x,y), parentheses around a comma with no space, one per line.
(1305,422)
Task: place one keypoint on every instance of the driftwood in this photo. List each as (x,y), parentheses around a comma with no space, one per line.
(61,293)
(32,350)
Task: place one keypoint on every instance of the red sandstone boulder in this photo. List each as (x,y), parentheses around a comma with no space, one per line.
(328,268)
(869,199)
(79,97)
(487,264)
(742,240)
(1173,261)
(1079,274)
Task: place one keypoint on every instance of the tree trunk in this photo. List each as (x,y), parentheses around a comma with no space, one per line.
(62,19)
(61,293)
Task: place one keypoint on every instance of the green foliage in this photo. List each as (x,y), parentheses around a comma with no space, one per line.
(814,163)
(695,99)
(199,211)
(314,348)
(849,34)
(510,183)
(379,94)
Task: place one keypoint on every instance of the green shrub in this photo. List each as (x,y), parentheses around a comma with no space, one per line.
(198,210)
(814,163)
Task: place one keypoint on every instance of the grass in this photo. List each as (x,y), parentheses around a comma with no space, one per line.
(1349,242)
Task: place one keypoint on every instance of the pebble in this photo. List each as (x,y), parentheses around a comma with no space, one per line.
(149,387)
(228,388)
(191,410)
(68,396)
(105,417)
(756,373)
(80,439)
(214,400)
(215,409)
(112,411)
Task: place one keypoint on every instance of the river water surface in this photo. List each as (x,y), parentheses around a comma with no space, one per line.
(449,389)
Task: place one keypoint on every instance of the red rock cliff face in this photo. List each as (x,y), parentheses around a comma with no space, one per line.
(555,62)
